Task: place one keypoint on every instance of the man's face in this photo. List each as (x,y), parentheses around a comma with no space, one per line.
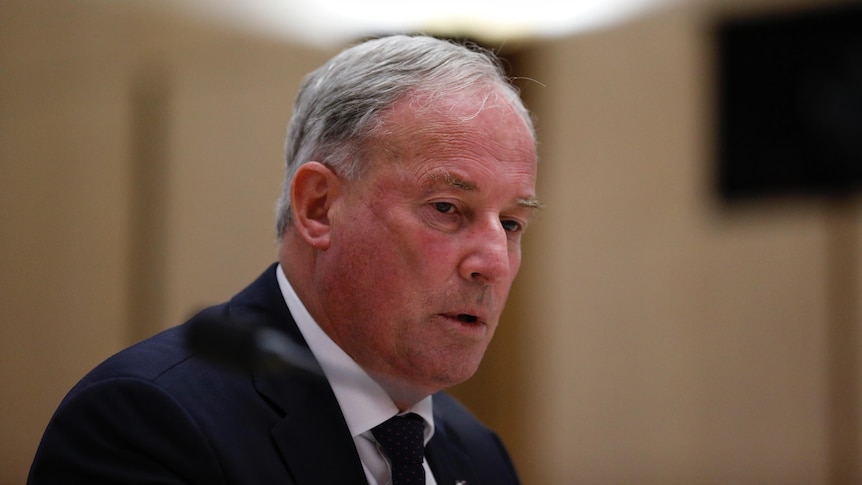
(426,245)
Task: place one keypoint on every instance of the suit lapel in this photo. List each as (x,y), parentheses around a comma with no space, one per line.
(312,437)
(448,462)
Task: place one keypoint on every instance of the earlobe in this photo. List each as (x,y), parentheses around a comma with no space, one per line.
(314,189)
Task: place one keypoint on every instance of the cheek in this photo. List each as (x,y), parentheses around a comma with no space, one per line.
(515,261)
(433,249)
(375,259)
(409,247)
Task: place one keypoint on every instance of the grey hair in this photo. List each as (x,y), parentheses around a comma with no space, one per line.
(342,104)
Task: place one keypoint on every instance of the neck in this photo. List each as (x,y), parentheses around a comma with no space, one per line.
(405,395)
(298,260)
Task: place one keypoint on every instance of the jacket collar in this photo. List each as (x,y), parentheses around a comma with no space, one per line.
(448,460)
(312,437)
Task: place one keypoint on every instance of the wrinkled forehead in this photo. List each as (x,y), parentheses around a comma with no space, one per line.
(444,133)
(419,109)
(468,103)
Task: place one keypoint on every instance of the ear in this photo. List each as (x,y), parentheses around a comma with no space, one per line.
(312,192)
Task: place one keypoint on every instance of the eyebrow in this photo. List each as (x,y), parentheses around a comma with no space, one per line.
(531,203)
(455,182)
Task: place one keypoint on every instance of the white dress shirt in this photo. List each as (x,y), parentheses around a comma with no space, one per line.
(363,402)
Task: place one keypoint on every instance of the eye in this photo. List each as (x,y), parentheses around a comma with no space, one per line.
(444,207)
(511,226)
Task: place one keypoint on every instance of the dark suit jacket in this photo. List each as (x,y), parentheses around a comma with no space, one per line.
(154,413)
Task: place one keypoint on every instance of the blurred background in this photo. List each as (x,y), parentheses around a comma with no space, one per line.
(688,309)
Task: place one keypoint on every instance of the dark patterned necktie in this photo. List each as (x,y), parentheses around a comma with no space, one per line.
(403,440)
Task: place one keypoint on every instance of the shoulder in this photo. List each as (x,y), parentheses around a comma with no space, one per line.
(122,411)
(163,368)
(150,360)
(156,410)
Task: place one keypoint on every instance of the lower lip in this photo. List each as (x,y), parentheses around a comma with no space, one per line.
(472,328)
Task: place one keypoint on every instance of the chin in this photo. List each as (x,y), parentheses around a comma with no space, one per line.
(454,376)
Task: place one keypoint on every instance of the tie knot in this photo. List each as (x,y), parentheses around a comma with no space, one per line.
(403,438)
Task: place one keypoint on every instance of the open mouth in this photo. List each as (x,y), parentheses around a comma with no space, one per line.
(467,318)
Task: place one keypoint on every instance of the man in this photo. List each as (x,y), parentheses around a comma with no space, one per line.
(411,168)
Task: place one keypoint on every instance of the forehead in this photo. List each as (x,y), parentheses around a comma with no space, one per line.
(437,135)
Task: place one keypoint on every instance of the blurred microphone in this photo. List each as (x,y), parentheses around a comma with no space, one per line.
(247,346)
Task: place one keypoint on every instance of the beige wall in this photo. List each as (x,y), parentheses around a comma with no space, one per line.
(140,159)
(653,336)
(671,339)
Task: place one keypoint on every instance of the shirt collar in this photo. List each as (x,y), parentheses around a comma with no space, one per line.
(363,402)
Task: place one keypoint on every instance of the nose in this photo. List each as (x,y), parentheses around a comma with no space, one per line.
(487,259)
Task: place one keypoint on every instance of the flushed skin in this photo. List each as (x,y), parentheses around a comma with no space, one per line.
(435,224)
(410,177)
(156,414)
